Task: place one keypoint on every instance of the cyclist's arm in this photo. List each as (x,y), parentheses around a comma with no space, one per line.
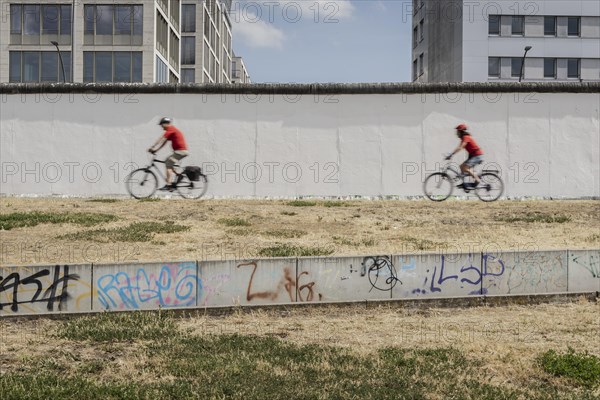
(158,145)
(458,148)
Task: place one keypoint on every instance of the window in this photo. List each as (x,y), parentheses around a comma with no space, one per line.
(574,24)
(113,25)
(40,24)
(174,13)
(422,30)
(550,26)
(162,34)
(515,67)
(415,69)
(518,25)
(421,64)
(494,25)
(107,66)
(162,71)
(188,20)
(188,50)
(173,50)
(573,68)
(494,67)
(549,67)
(188,75)
(415,36)
(38,66)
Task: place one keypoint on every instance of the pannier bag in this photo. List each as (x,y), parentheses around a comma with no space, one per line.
(193,173)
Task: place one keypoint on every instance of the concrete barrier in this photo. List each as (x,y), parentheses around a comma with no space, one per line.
(39,290)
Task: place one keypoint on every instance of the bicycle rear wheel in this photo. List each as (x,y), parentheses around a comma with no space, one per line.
(192,189)
(438,186)
(141,183)
(490,188)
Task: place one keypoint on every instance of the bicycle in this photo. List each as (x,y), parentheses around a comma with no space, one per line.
(440,185)
(142,183)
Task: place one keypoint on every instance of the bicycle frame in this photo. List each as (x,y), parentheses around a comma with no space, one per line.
(158,170)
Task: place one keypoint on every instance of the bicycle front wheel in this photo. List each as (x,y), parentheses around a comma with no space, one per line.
(141,183)
(438,186)
(490,188)
(192,189)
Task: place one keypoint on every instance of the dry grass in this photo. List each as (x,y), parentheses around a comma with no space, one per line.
(355,227)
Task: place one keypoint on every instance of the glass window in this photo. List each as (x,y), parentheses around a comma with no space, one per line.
(550,26)
(136,74)
(494,67)
(415,36)
(188,50)
(138,16)
(515,70)
(123,20)
(573,68)
(65,20)
(422,30)
(103,66)
(67,65)
(574,26)
(415,69)
(518,25)
(549,67)
(494,25)
(188,75)
(15,19)
(50,18)
(188,20)
(104,20)
(31,66)
(31,19)
(88,66)
(122,66)
(88,19)
(14,72)
(422,64)
(50,68)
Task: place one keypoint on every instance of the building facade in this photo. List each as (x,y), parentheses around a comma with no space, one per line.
(464,41)
(239,73)
(115,41)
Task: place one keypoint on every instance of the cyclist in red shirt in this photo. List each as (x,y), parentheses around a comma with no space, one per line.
(180,149)
(475,153)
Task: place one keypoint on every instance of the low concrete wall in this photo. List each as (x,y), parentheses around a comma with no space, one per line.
(39,290)
(288,141)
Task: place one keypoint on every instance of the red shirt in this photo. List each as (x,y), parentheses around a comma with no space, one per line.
(176,137)
(471,146)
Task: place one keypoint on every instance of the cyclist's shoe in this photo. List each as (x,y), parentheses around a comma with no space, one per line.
(470,185)
(167,188)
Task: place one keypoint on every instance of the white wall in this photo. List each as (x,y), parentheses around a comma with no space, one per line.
(343,145)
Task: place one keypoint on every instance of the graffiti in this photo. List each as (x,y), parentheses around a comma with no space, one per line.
(30,289)
(542,272)
(288,283)
(382,273)
(212,286)
(173,286)
(593,266)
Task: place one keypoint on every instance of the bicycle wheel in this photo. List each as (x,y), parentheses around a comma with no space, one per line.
(438,186)
(192,189)
(141,183)
(490,188)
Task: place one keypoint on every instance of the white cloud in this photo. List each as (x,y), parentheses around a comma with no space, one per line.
(257,33)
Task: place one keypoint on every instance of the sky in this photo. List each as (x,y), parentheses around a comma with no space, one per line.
(306,41)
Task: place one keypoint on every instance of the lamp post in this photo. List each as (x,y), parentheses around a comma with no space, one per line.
(62,67)
(527,48)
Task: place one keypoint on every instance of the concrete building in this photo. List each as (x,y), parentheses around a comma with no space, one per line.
(466,41)
(108,41)
(239,73)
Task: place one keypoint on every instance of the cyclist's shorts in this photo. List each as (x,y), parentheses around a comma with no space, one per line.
(176,156)
(473,161)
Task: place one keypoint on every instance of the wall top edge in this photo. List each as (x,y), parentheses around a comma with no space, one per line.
(296,89)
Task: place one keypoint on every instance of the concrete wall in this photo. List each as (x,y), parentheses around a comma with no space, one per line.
(263,144)
(26,290)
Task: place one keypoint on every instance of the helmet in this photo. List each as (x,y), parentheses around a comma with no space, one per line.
(462,127)
(165,120)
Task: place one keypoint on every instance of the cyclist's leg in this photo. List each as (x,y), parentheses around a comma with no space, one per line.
(468,165)
(170,163)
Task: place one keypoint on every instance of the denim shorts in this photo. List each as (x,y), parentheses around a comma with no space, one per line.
(473,161)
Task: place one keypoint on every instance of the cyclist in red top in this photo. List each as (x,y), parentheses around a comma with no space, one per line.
(475,153)
(180,149)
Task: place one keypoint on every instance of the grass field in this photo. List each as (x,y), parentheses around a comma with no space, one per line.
(513,352)
(79,230)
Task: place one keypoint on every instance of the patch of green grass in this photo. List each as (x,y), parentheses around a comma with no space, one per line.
(289,213)
(420,244)
(103,200)
(345,241)
(241,231)
(33,218)
(234,222)
(531,217)
(288,250)
(135,232)
(285,233)
(302,203)
(581,368)
(593,238)
(335,203)
(127,326)
(149,199)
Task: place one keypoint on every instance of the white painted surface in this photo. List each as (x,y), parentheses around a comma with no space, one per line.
(290,146)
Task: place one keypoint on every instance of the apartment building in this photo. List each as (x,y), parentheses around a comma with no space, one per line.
(115,41)
(239,73)
(463,41)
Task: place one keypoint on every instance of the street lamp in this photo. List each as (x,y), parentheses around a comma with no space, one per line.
(62,67)
(527,48)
